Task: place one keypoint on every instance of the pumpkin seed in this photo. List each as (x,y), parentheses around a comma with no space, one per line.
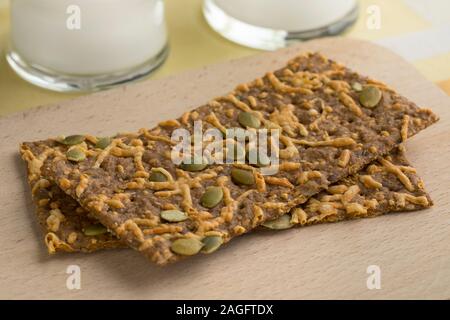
(283,222)
(211,243)
(248,119)
(211,197)
(193,166)
(75,154)
(370,96)
(186,246)
(103,143)
(357,86)
(241,176)
(95,230)
(157,176)
(173,215)
(73,140)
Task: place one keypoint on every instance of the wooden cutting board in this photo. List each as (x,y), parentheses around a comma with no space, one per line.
(412,250)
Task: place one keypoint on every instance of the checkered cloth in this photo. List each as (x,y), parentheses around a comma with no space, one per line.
(418,30)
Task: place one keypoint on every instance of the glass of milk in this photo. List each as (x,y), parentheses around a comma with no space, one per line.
(272,24)
(85,45)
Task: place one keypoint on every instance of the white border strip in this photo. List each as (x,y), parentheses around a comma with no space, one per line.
(421,44)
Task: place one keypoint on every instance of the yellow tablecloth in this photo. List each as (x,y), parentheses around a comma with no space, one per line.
(194,44)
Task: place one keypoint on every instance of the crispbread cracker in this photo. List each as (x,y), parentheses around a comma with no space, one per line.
(385,186)
(63,221)
(326,135)
(379,190)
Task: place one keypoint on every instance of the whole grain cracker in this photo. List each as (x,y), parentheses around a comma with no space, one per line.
(325,132)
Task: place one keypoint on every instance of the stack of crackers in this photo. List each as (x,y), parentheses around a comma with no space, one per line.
(340,157)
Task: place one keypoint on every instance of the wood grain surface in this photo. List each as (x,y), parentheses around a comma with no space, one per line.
(324,261)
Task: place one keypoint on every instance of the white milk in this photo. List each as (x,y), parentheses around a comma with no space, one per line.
(288,15)
(114,35)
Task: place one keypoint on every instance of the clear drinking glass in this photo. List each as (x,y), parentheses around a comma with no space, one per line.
(273,24)
(85,45)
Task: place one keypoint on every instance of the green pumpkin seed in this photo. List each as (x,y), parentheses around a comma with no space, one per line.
(357,86)
(248,119)
(73,140)
(241,176)
(370,96)
(173,215)
(75,154)
(157,176)
(103,143)
(186,246)
(211,197)
(94,230)
(283,222)
(193,167)
(211,243)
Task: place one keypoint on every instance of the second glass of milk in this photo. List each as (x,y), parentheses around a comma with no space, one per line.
(272,24)
(85,45)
